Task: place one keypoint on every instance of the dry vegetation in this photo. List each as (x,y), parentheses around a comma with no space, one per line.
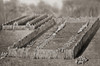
(72,8)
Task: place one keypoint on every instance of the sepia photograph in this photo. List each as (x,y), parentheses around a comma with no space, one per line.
(49,32)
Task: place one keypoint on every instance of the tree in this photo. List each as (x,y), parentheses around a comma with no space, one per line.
(77,8)
(10,9)
(1,12)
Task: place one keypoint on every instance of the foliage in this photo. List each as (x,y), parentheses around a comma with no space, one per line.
(72,8)
(78,8)
(1,12)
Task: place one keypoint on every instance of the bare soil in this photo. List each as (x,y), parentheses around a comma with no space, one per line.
(8,37)
(64,35)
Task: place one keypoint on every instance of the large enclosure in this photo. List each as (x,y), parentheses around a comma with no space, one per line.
(49,33)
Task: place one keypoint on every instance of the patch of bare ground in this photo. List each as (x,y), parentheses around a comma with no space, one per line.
(64,35)
(8,37)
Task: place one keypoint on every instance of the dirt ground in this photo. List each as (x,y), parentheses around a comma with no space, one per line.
(64,35)
(92,52)
(7,38)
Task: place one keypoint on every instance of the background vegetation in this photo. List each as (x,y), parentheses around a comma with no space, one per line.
(73,8)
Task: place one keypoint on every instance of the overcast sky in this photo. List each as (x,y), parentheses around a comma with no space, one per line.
(50,2)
